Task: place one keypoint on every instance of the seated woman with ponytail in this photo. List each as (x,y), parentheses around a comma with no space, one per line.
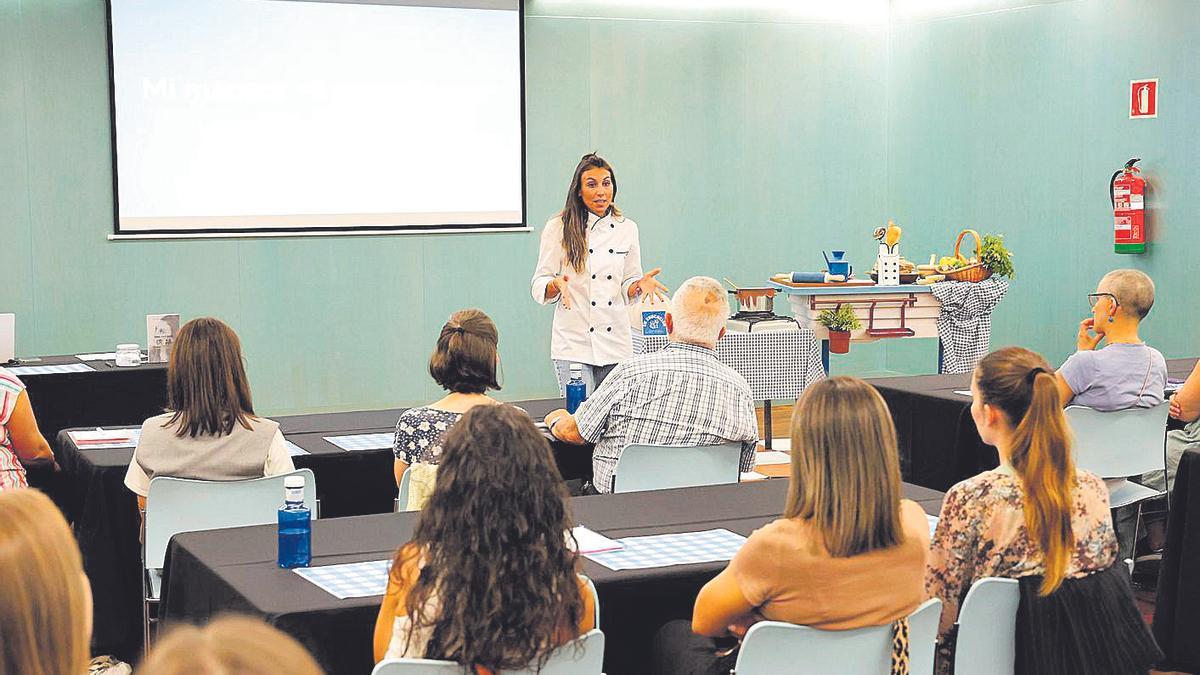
(1035,516)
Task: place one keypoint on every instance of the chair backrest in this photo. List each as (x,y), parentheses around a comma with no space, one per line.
(582,656)
(1122,443)
(595,600)
(175,505)
(654,467)
(776,647)
(402,496)
(987,628)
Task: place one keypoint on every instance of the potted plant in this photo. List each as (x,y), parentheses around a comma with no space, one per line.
(839,321)
(995,256)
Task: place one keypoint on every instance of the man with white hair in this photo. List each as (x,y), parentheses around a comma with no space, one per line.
(679,396)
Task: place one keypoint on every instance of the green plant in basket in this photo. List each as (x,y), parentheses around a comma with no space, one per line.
(840,319)
(995,256)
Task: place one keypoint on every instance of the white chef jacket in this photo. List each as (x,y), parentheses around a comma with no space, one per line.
(595,330)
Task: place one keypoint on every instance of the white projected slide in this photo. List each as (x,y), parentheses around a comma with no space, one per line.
(253,116)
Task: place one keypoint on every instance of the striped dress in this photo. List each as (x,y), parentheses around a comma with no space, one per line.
(12,474)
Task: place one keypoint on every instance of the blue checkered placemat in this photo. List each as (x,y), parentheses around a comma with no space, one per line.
(664,550)
(351,580)
(293,449)
(51,370)
(363,441)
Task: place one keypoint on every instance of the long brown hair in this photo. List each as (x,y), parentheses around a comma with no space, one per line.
(207,387)
(464,360)
(493,547)
(43,609)
(1022,385)
(575,213)
(846,467)
(230,644)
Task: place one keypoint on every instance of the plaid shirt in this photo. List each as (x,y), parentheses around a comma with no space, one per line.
(679,396)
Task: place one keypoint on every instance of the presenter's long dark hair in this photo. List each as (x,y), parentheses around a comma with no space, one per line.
(575,212)
(496,564)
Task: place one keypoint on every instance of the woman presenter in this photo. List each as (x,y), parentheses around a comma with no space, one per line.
(590,263)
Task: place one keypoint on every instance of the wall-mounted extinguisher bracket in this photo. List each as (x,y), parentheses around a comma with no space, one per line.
(1127,193)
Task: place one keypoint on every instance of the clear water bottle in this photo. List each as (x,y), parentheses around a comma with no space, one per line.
(295,526)
(576,389)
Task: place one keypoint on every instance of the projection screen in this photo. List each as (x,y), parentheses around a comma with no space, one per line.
(257,117)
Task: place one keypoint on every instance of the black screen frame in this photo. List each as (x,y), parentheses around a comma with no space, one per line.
(301,231)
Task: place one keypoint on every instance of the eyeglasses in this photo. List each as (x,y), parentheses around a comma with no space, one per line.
(1093,298)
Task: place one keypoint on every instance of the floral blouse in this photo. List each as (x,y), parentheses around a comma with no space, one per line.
(981,533)
(419,434)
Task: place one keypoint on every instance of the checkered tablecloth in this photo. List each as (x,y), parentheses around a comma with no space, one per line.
(51,370)
(664,550)
(965,322)
(362,441)
(777,364)
(351,580)
(293,449)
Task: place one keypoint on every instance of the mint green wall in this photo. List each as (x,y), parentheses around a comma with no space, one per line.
(1013,122)
(740,142)
(744,142)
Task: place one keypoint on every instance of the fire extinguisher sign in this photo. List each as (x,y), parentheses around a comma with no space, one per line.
(1143,99)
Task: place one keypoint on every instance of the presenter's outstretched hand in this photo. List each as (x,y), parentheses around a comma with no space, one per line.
(560,286)
(649,287)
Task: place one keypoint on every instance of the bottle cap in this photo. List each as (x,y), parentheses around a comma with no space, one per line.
(129,347)
(576,367)
(294,482)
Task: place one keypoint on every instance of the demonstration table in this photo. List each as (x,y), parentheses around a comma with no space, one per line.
(348,483)
(939,445)
(235,570)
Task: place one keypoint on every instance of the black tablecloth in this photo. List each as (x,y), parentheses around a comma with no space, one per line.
(939,445)
(107,395)
(348,483)
(1177,607)
(234,570)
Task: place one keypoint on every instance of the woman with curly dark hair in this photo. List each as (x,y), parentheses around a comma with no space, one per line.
(488,580)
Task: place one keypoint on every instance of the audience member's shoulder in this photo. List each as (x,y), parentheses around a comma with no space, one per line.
(158,420)
(1090,481)
(985,487)
(264,423)
(9,380)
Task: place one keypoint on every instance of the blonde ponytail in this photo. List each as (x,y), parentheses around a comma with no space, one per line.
(1022,384)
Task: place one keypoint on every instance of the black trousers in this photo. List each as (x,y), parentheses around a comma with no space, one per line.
(679,651)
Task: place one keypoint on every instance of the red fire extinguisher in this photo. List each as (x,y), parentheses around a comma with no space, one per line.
(1127,192)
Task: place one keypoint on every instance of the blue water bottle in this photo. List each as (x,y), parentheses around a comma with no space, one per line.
(295,526)
(576,389)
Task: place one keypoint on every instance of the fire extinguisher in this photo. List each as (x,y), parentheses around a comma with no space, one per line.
(1127,192)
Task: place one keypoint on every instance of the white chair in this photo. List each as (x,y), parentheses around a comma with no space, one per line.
(1120,444)
(175,505)
(582,656)
(654,467)
(772,647)
(987,625)
(402,495)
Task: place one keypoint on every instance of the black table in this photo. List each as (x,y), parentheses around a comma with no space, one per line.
(348,483)
(939,445)
(1177,607)
(234,570)
(107,395)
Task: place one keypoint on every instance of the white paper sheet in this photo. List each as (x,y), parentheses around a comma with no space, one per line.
(593,542)
(768,457)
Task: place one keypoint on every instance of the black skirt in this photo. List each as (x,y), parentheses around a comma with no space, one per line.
(1087,626)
